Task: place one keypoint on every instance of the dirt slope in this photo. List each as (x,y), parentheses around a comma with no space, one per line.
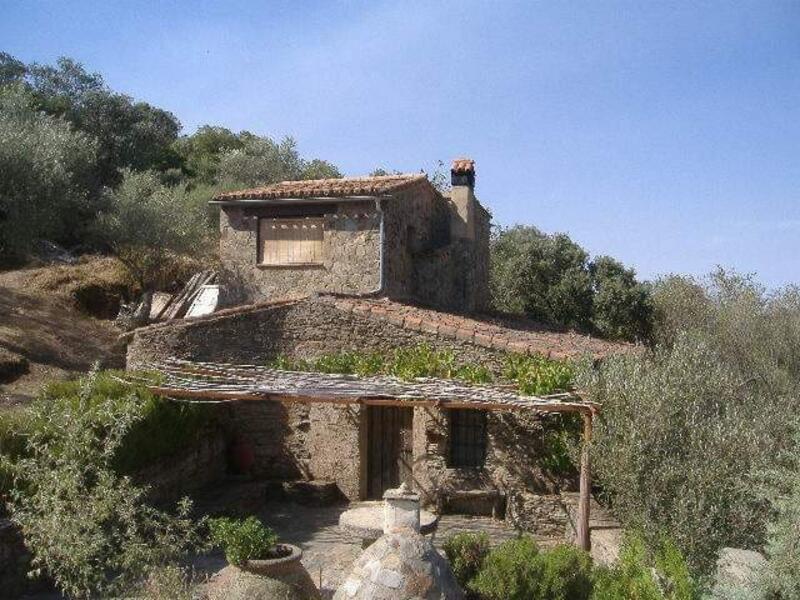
(47,329)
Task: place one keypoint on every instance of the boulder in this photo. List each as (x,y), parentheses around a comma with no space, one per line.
(737,571)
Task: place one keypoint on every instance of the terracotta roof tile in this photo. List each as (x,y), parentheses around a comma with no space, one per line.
(463,165)
(506,334)
(333,188)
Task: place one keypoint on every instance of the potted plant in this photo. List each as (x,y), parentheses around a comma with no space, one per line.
(260,566)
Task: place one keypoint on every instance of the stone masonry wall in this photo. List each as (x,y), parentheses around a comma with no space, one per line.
(351,249)
(326,442)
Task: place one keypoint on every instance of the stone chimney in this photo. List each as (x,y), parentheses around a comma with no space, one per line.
(400,510)
(462,199)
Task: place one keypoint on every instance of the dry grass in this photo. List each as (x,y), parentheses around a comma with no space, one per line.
(40,322)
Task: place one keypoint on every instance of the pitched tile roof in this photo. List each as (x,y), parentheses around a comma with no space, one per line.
(505,334)
(488,331)
(336,188)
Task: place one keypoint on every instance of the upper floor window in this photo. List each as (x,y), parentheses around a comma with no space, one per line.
(290,241)
(467,437)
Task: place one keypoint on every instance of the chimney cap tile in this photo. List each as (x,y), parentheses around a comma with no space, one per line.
(463,165)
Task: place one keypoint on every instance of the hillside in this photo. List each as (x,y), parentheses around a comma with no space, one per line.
(40,321)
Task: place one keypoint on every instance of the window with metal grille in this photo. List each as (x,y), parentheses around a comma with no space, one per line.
(290,241)
(467,438)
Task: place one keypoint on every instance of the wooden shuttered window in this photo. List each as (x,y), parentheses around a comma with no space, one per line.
(467,437)
(290,241)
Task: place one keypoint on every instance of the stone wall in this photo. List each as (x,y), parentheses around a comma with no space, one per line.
(192,468)
(421,260)
(351,243)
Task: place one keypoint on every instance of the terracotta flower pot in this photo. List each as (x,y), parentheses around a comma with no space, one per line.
(283,578)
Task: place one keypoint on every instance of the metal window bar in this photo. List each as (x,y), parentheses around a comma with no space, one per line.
(467,438)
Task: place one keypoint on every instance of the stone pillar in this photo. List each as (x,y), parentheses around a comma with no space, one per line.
(400,510)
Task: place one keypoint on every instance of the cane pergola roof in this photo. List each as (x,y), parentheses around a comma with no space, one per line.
(220,382)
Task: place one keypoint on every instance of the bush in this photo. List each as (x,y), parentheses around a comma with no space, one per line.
(517,570)
(466,553)
(678,442)
(781,578)
(538,375)
(243,539)
(566,574)
(637,577)
(161,428)
(511,571)
(88,528)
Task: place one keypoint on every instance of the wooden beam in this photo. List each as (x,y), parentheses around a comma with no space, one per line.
(583,537)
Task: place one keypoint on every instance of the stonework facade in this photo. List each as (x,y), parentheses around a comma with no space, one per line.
(410,243)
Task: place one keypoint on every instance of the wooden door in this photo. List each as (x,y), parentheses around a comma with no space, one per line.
(389,443)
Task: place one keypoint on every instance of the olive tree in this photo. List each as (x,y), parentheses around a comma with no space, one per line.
(147,224)
(46,183)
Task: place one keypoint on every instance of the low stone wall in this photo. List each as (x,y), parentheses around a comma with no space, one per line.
(191,469)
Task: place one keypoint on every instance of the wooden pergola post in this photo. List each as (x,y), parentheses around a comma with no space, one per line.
(585,495)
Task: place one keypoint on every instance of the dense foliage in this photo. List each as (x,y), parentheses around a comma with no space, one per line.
(46,182)
(520,569)
(242,539)
(466,553)
(72,149)
(88,527)
(550,278)
(147,225)
(640,575)
(688,429)
(533,375)
(158,428)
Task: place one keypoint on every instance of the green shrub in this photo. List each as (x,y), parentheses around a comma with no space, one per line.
(466,553)
(242,539)
(677,445)
(517,570)
(88,528)
(566,574)
(638,577)
(512,571)
(161,429)
(538,375)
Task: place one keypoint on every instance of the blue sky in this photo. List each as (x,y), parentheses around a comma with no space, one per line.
(664,134)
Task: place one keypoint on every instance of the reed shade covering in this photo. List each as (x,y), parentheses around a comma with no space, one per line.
(206,381)
(290,241)
(220,382)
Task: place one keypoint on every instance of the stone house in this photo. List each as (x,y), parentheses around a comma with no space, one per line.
(393,236)
(376,264)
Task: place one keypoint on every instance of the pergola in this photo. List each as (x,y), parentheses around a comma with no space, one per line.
(218,382)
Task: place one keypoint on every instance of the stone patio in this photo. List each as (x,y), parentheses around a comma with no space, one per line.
(328,552)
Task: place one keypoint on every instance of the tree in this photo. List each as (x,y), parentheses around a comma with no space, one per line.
(551,279)
(147,224)
(46,188)
(622,307)
(128,134)
(201,151)
(260,161)
(544,277)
